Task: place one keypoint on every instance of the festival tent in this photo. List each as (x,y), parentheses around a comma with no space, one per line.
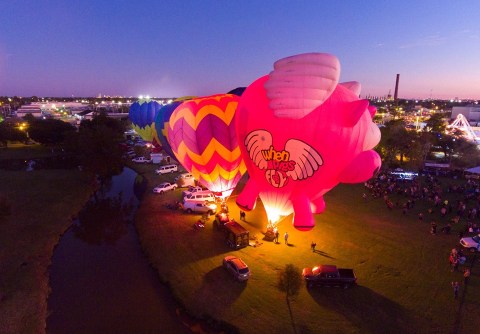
(474,170)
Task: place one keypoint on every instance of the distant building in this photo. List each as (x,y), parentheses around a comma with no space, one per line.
(471,112)
(29,109)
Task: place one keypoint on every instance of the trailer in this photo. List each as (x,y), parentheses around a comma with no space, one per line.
(236,236)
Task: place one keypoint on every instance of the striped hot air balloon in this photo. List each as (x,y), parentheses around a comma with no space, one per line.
(202,135)
(162,119)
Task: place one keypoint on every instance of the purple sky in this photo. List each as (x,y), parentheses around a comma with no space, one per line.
(201,47)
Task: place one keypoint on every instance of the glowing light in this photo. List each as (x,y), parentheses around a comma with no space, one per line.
(273,215)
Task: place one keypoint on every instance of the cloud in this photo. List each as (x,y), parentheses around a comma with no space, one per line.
(432,40)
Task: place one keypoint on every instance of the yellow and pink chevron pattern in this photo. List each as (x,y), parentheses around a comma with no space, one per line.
(202,135)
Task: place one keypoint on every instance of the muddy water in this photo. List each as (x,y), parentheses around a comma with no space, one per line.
(101,281)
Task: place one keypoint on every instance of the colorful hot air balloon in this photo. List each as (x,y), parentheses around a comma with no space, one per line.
(161,125)
(301,133)
(201,133)
(142,115)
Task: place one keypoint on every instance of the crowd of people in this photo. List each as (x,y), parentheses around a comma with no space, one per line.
(449,203)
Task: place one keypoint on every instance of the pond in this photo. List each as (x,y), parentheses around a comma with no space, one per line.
(101,281)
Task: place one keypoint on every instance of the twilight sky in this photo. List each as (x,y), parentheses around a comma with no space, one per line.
(172,48)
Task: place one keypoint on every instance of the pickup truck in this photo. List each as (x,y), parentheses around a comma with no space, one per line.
(329,275)
(191,190)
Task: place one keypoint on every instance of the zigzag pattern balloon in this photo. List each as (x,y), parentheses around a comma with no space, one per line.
(202,135)
(142,115)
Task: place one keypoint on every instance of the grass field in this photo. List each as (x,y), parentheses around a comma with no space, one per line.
(403,271)
(42,204)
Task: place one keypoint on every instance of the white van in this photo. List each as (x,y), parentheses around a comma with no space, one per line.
(200,196)
(166,169)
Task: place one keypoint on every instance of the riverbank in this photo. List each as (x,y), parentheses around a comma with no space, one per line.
(42,203)
(403,274)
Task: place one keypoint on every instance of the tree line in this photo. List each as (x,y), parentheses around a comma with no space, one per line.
(406,148)
(95,144)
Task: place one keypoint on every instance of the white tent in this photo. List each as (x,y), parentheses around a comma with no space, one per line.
(474,170)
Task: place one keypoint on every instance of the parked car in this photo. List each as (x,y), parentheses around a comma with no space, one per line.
(166,169)
(164,187)
(470,243)
(191,190)
(141,160)
(237,268)
(205,207)
(200,197)
(185,180)
(329,275)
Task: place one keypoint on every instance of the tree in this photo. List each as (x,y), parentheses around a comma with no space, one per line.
(289,281)
(8,132)
(50,131)
(436,123)
(97,146)
(465,153)
(397,144)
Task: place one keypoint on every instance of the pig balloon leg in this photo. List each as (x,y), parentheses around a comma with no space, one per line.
(248,198)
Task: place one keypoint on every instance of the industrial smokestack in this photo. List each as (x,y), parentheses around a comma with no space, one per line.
(395,96)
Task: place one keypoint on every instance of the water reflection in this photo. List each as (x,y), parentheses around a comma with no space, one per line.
(140,186)
(103,220)
(100,280)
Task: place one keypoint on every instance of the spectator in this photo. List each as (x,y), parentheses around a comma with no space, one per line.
(466,275)
(456,288)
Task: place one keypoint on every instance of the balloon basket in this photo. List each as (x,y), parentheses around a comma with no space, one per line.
(269,234)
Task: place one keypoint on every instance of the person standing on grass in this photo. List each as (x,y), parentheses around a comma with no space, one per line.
(456,288)
(286,238)
(466,275)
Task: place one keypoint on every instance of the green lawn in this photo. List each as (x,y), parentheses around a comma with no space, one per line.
(22,151)
(42,203)
(403,272)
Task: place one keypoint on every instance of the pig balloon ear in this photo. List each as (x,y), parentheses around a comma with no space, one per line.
(354,86)
(299,84)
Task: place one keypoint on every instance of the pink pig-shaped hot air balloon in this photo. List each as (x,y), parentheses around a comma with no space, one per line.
(301,133)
